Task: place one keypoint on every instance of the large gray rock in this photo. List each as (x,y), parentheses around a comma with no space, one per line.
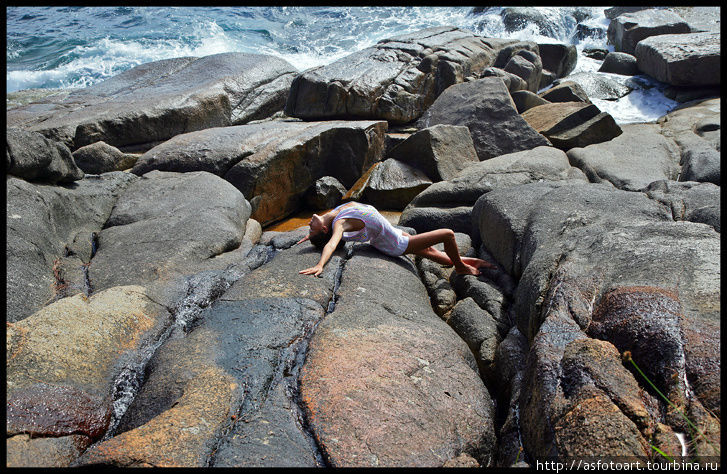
(689,201)
(326,193)
(558,58)
(565,91)
(396,79)
(449,203)
(628,29)
(393,184)
(33,157)
(518,18)
(165,226)
(440,151)
(155,101)
(383,368)
(681,59)
(630,161)
(619,63)
(512,81)
(273,163)
(527,65)
(525,100)
(485,107)
(101,157)
(593,253)
(700,18)
(46,224)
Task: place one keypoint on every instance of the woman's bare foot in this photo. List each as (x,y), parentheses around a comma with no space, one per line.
(466,270)
(477,263)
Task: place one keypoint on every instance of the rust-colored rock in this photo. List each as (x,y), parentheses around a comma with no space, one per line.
(645,320)
(596,427)
(591,361)
(183,436)
(54,410)
(26,451)
(379,398)
(386,382)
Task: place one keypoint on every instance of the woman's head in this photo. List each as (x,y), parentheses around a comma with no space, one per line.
(319,233)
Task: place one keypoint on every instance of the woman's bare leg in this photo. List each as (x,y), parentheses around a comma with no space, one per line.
(441,258)
(420,245)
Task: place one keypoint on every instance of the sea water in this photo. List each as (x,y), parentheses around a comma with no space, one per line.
(75,47)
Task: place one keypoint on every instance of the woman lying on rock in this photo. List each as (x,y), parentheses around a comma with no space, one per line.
(358,222)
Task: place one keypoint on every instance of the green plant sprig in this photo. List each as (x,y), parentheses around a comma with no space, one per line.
(627,356)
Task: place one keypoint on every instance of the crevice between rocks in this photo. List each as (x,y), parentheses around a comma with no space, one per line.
(293,388)
(203,289)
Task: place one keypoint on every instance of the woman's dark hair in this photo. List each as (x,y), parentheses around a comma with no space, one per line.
(320,239)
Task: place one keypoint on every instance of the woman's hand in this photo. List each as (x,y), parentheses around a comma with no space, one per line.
(315,271)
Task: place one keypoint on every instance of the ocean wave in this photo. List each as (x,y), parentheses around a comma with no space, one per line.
(110,39)
(52,47)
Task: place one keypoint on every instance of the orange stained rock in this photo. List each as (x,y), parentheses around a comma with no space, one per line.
(180,436)
(367,388)
(596,427)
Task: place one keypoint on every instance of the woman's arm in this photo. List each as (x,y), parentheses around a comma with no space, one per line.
(328,250)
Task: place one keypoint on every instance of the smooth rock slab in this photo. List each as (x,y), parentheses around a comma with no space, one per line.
(166,225)
(632,160)
(386,381)
(395,80)
(690,201)
(627,30)
(26,451)
(441,151)
(696,129)
(44,223)
(78,341)
(681,60)
(157,100)
(393,184)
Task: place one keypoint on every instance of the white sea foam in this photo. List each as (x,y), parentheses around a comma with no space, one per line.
(304,37)
(641,105)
